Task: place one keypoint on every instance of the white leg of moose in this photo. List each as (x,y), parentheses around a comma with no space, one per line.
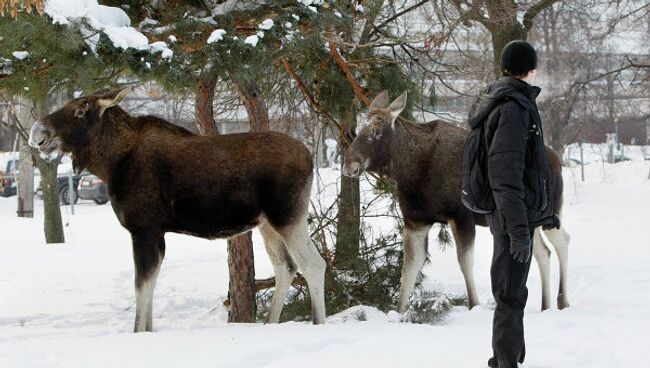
(283,267)
(543,258)
(415,253)
(560,240)
(148,254)
(464,235)
(309,261)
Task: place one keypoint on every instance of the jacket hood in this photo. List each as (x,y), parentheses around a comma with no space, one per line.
(505,88)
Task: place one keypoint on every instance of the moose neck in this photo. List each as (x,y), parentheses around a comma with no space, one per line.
(108,144)
(404,147)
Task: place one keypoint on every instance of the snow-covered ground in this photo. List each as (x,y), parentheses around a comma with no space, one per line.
(72,305)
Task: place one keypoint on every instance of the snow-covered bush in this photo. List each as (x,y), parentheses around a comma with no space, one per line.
(428,307)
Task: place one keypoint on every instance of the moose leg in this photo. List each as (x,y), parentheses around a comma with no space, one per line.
(543,258)
(560,240)
(148,253)
(309,261)
(464,232)
(283,267)
(415,253)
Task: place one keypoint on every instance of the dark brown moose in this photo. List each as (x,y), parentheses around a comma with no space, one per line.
(162,178)
(424,160)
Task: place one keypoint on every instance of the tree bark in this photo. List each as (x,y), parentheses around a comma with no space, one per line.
(502,33)
(349,207)
(240,248)
(241,288)
(258,112)
(204,109)
(52,212)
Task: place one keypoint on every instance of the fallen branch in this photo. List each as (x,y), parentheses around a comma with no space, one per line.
(264,284)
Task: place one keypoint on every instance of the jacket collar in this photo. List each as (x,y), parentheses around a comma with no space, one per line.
(521,86)
(496,92)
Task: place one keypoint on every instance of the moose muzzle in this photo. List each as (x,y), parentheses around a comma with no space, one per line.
(353,164)
(40,137)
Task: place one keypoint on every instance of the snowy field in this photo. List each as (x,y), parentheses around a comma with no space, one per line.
(72,305)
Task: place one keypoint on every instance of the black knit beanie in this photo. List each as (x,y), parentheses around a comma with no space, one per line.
(518,58)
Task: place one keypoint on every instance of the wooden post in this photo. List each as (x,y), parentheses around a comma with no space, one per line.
(582,163)
(25,183)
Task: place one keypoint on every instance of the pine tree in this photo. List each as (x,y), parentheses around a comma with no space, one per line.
(326,53)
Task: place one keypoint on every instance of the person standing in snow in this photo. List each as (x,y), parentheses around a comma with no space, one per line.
(518,172)
(331,152)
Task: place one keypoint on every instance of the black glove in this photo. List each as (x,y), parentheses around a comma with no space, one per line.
(521,248)
(554,225)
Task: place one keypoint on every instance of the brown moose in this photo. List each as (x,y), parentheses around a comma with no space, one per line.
(162,178)
(424,160)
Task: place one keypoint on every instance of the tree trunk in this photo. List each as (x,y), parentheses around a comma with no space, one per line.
(241,288)
(241,259)
(349,207)
(51,211)
(204,112)
(258,112)
(241,265)
(502,33)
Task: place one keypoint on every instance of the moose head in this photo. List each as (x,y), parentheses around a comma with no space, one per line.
(370,147)
(72,125)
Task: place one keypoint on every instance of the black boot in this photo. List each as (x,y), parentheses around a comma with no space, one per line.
(492,363)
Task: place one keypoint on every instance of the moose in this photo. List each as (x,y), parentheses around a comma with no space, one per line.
(163,178)
(424,161)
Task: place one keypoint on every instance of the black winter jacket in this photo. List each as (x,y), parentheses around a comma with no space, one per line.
(518,170)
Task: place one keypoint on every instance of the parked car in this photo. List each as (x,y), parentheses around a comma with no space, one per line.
(8,173)
(93,188)
(63,189)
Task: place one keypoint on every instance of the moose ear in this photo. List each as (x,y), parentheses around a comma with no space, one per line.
(397,106)
(82,110)
(111,99)
(380,101)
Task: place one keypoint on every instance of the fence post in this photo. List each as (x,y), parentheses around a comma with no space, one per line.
(71,193)
(582,163)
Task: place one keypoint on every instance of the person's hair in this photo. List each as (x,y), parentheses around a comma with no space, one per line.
(507,73)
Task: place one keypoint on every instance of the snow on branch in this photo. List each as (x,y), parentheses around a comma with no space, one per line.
(112,21)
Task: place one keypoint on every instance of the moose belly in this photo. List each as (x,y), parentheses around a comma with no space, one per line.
(213,220)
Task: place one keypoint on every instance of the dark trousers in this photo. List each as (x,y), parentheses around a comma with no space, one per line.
(510,293)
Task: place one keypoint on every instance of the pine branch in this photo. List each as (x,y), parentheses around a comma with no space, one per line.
(358,90)
(301,86)
(311,101)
